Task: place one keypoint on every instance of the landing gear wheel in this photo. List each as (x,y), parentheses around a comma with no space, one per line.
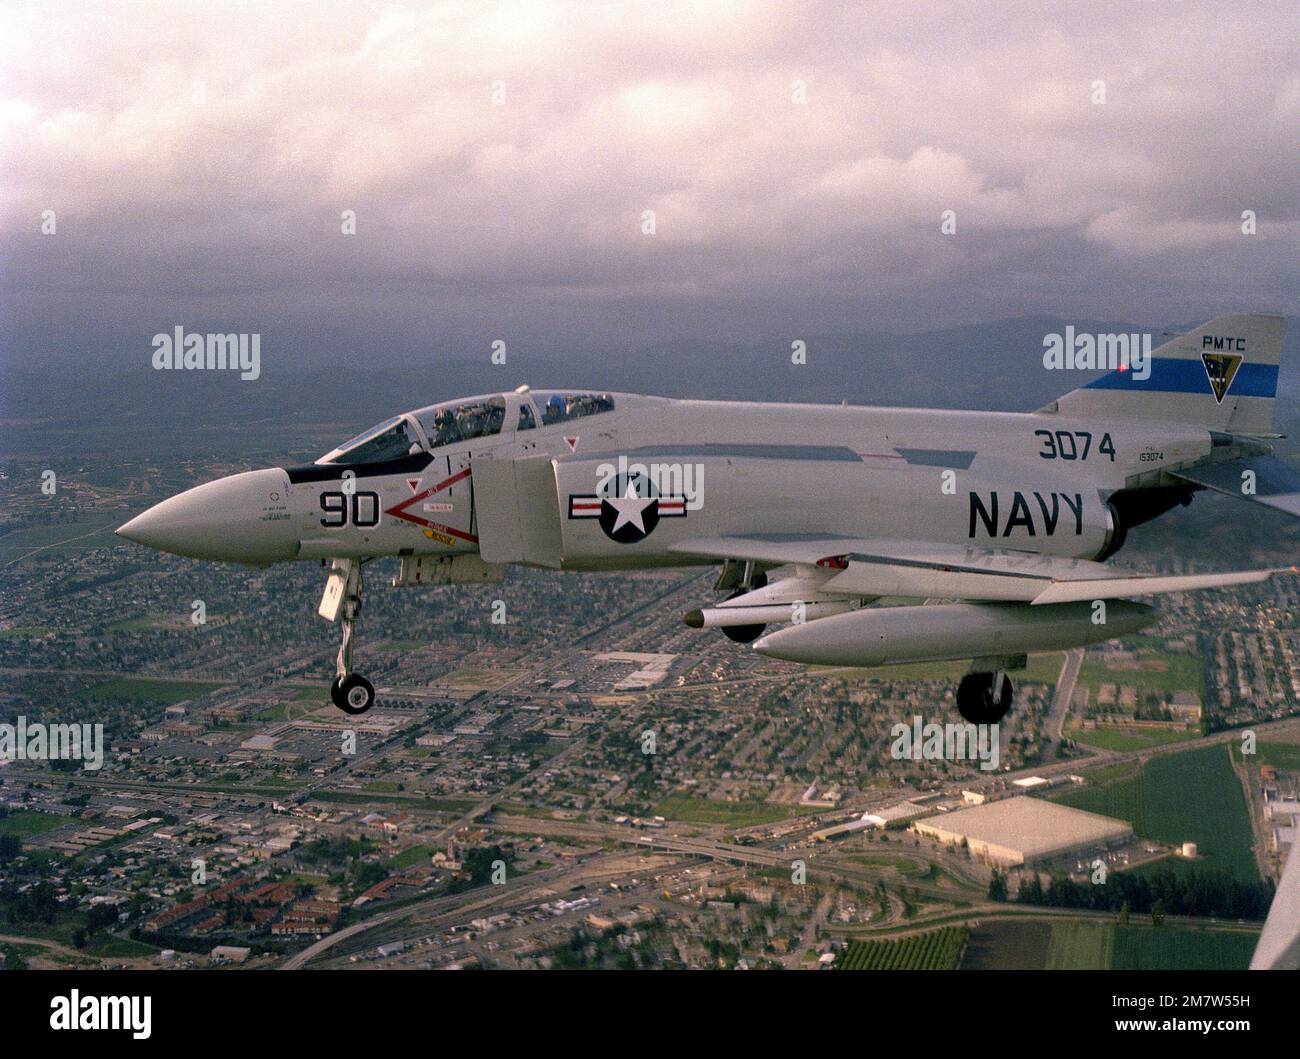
(353,693)
(745,633)
(984,698)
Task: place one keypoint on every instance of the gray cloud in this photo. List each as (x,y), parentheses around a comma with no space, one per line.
(523,218)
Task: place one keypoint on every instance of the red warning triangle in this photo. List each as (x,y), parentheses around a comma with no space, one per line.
(572,442)
(414,483)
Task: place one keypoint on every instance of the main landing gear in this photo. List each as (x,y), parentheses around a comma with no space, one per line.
(984,698)
(351,692)
(750,580)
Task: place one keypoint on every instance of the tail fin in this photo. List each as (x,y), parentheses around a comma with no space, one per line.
(1223,375)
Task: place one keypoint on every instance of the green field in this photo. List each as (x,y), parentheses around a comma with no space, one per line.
(401,645)
(935,950)
(1176,672)
(62,536)
(414,855)
(1284,756)
(316,695)
(1189,797)
(1042,669)
(1081,946)
(137,624)
(1090,946)
(145,689)
(736,814)
(24,825)
(1134,739)
(19,632)
(110,947)
(412,800)
(472,678)
(902,865)
(1172,949)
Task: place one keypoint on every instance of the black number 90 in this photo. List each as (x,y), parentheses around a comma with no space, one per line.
(364,509)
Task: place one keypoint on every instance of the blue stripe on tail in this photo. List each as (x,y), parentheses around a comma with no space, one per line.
(1175,375)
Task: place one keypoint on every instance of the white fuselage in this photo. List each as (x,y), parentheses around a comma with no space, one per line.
(1029,482)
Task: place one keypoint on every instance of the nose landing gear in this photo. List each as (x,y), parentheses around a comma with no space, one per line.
(351,692)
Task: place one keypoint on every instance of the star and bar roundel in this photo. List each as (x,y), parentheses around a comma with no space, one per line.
(631,510)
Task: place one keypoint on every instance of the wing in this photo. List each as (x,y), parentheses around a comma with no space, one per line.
(1261,479)
(854,567)
(1279,943)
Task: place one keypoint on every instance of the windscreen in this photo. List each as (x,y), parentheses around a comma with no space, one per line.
(390,440)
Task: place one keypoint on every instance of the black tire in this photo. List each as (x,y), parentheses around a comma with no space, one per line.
(354,694)
(745,633)
(975,701)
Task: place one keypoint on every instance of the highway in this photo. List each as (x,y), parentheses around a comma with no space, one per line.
(1061,700)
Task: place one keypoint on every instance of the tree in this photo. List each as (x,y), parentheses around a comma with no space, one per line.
(998,886)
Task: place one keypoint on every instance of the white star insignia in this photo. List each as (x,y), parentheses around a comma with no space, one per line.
(630,508)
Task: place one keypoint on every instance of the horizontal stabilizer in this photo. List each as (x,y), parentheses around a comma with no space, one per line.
(1263,479)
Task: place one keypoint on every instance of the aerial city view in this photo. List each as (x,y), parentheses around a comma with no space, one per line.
(558,772)
(658,485)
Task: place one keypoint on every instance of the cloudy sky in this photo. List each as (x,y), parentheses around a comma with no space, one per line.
(500,159)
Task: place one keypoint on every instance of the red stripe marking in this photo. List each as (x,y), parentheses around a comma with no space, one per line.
(400,510)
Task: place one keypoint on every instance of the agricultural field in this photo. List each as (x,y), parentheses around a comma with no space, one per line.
(1081,946)
(1171,949)
(1091,946)
(1123,798)
(935,950)
(144,689)
(1008,946)
(1189,797)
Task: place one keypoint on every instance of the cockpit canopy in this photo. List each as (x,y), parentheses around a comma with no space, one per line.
(429,428)
(477,417)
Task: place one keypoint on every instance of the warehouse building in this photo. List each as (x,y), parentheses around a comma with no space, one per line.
(1021,830)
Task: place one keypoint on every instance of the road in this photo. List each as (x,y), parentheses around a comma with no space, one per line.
(1061,700)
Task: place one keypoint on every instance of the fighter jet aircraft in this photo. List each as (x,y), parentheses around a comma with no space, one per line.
(993,524)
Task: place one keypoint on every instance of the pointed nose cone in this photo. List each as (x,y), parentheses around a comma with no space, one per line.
(241,519)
